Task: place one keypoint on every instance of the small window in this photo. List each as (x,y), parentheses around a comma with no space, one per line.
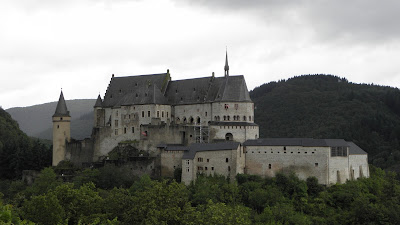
(229,168)
(162,114)
(187,169)
(148,113)
(226,160)
(133,130)
(205,168)
(167,114)
(142,113)
(116,131)
(61,118)
(124,130)
(58,126)
(208,160)
(316,164)
(284,148)
(158,114)
(269,166)
(116,123)
(212,168)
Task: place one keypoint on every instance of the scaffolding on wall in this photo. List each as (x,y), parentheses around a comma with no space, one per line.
(201,134)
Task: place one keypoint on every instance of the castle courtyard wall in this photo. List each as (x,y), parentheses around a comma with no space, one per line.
(267,161)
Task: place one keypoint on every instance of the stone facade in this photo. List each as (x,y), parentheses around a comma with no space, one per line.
(204,125)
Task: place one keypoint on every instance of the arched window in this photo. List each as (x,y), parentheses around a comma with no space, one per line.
(191,120)
(249,118)
(184,120)
(198,120)
(229,137)
(215,118)
(224,118)
(244,118)
(229,118)
(178,120)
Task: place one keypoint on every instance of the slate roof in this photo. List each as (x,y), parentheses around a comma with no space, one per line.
(61,109)
(355,150)
(201,147)
(306,142)
(99,102)
(159,89)
(142,89)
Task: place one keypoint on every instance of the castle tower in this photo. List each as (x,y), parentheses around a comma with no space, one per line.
(98,113)
(226,68)
(61,130)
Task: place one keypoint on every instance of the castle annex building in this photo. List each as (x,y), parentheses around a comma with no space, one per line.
(155,125)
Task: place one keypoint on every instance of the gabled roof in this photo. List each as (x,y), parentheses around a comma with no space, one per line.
(61,109)
(201,147)
(159,89)
(147,88)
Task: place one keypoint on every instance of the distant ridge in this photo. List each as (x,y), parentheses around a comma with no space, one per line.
(36,121)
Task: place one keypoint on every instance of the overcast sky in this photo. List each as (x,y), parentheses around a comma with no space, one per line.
(76,45)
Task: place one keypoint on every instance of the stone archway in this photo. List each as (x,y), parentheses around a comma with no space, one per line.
(229,137)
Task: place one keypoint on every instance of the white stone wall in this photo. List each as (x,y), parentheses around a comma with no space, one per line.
(188,173)
(195,111)
(239,133)
(244,111)
(61,134)
(266,161)
(358,166)
(338,169)
(222,162)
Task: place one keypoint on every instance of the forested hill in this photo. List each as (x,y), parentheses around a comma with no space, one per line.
(36,120)
(17,151)
(326,106)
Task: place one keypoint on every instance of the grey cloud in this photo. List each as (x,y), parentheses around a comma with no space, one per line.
(355,20)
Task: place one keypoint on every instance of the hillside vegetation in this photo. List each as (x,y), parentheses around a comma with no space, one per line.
(35,120)
(19,152)
(325,106)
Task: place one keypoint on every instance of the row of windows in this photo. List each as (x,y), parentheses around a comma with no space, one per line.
(338,151)
(228,118)
(270,165)
(236,127)
(125,130)
(226,106)
(206,168)
(279,152)
(199,159)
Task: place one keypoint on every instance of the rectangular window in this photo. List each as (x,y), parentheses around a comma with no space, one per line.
(162,114)
(158,114)
(167,114)
(124,130)
(116,123)
(148,113)
(205,168)
(116,131)
(269,166)
(187,162)
(316,164)
(208,160)
(187,169)
(133,130)
(142,113)
(226,160)
(212,168)
(339,151)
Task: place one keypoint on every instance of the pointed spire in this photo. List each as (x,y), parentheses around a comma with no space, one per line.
(61,109)
(226,64)
(99,102)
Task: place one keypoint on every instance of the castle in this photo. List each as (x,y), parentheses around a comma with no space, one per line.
(203,125)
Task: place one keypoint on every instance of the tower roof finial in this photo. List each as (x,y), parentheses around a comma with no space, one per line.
(61,109)
(226,63)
